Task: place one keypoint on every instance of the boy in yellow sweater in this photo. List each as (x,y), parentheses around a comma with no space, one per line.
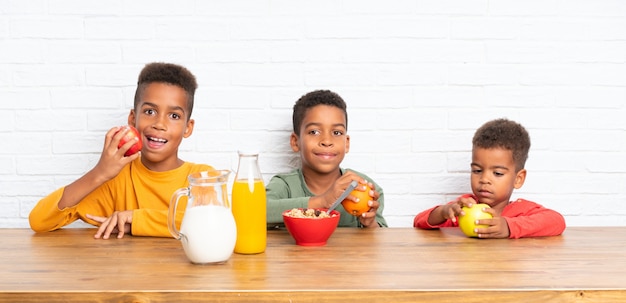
(131,195)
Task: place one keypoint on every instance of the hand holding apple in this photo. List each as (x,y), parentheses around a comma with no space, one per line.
(130,135)
(467,222)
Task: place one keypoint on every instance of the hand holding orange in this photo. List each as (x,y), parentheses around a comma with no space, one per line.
(467,222)
(358,208)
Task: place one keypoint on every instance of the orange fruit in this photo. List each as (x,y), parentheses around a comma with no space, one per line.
(356,209)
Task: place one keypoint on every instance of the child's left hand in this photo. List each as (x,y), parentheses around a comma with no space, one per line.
(368,219)
(498,227)
(119,222)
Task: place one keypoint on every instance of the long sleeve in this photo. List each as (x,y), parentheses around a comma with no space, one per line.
(278,200)
(529,219)
(421,220)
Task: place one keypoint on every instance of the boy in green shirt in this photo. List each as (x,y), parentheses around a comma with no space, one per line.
(320,123)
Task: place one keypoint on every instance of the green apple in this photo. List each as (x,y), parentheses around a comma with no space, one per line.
(467,222)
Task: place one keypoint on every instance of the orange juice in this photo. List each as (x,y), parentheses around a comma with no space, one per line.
(249,210)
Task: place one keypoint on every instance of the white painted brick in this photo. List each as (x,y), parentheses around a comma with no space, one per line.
(236,7)
(20,143)
(483,75)
(24,186)
(5,77)
(590,97)
(442,141)
(431,27)
(241,51)
(120,28)
(453,7)
(186,29)
(48,28)
(210,119)
(485,28)
(22,52)
(40,120)
(9,208)
(7,124)
(410,74)
(409,163)
(112,75)
(24,99)
(18,7)
(77,142)
(449,97)
(524,8)
(83,52)
(372,7)
(48,75)
(266,28)
(235,99)
(102,121)
(159,8)
(515,96)
(594,8)
(7,165)
(86,98)
(86,7)
(64,164)
(266,75)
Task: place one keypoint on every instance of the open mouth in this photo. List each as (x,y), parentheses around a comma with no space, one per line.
(155,142)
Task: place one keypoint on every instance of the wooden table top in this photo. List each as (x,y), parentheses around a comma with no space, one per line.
(585,264)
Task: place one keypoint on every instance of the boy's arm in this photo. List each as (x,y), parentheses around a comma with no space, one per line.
(112,161)
(46,216)
(529,219)
(278,200)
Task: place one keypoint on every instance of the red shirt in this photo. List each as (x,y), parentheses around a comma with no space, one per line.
(525,219)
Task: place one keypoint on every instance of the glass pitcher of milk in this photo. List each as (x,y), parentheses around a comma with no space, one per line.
(207,231)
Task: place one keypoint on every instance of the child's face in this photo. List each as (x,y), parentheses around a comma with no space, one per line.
(322,141)
(161,118)
(493,175)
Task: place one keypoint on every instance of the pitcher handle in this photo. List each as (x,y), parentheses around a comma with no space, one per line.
(171,216)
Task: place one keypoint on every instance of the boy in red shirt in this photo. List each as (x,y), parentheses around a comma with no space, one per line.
(499,153)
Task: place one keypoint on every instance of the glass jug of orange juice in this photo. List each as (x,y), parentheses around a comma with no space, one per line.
(249,205)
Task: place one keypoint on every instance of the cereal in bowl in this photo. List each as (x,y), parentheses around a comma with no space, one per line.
(308,213)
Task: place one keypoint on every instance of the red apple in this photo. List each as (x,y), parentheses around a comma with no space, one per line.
(130,135)
(467,222)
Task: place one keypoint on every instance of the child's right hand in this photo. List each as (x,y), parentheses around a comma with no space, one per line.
(326,199)
(112,159)
(452,210)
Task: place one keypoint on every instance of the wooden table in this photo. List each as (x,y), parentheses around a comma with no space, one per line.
(357,265)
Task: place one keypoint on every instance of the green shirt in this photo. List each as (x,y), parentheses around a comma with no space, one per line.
(287,191)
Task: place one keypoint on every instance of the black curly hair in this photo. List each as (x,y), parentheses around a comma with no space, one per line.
(167,73)
(314,98)
(506,134)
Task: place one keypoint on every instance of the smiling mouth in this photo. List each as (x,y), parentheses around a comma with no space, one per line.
(156,140)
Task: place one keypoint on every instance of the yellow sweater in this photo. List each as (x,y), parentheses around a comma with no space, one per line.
(136,188)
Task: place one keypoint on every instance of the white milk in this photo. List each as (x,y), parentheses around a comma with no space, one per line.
(209,233)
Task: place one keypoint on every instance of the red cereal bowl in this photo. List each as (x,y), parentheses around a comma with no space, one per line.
(310,231)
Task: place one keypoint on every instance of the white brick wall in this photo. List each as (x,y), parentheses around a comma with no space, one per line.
(419,76)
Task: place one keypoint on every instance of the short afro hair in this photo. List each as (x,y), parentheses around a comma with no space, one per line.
(312,99)
(506,134)
(167,73)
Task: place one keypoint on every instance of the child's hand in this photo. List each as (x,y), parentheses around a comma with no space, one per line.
(368,219)
(119,222)
(451,211)
(112,159)
(498,227)
(326,199)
